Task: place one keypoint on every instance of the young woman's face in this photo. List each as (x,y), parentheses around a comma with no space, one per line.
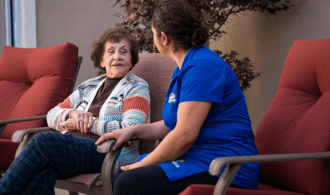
(116,58)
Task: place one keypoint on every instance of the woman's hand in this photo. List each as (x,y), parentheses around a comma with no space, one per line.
(121,135)
(84,120)
(68,126)
(131,166)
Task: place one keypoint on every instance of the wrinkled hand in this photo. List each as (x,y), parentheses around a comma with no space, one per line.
(121,135)
(68,126)
(84,120)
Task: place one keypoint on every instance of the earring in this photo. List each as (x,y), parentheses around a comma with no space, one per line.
(164,44)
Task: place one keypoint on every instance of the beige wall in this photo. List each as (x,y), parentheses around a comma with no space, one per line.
(265,39)
(76,21)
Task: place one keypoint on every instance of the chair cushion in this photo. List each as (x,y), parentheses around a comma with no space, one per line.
(32,81)
(297,120)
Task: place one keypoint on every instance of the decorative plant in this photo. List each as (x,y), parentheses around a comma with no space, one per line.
(215,12)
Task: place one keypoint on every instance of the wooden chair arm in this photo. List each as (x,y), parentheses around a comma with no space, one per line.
(19,135)
(25,135)
(108,166)
(106,146)
(235,163)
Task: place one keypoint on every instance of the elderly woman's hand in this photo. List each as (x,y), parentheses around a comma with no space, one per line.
(68,126)
(84,120)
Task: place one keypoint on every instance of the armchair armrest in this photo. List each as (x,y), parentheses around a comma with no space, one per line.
(106,146)
(235,163)
(108,166)
(108,171)
(3,123)
(25,135)
(19,135)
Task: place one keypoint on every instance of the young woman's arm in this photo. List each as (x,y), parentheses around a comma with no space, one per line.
(190,118)
(153,131)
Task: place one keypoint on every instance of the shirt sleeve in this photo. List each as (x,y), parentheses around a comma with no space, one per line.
(202,81)
(59,113)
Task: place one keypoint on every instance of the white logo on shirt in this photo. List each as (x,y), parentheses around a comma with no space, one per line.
(176,164)
(172,98)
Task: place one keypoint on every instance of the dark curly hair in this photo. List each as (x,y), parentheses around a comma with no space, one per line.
(181,23)
(114,34)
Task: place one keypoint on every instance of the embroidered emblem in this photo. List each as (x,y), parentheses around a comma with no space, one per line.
(172,98)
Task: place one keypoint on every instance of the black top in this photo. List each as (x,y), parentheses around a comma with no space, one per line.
(103,93)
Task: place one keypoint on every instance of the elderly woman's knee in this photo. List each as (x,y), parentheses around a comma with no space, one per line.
(45,137)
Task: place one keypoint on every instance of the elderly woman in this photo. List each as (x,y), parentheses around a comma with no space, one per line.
(112,101)
(204,115)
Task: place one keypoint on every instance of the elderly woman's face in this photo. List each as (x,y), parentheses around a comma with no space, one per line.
(116,58)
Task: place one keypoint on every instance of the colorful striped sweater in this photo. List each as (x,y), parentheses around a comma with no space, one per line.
(127,105)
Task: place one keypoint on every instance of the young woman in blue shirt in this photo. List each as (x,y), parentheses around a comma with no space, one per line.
(204,115)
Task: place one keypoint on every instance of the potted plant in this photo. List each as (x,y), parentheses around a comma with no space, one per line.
(138,14)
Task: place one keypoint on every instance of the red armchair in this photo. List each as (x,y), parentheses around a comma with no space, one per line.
(32,81)
(296,122)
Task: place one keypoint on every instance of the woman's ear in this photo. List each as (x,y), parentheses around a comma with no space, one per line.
(102,64)
(165,38)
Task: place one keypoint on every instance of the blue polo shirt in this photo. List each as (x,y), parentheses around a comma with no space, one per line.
(205,76)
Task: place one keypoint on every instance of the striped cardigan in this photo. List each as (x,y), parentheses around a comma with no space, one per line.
(127,105)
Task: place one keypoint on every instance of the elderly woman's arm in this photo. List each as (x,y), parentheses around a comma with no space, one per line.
(60,113)
(136,110)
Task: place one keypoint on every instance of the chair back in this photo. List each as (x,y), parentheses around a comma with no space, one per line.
(32,81)
(157,71)
(297,120)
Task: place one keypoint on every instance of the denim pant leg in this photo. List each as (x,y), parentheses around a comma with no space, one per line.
(67,154)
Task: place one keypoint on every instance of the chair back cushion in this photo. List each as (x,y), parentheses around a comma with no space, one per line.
(157,71)
(297,120)
(34,80)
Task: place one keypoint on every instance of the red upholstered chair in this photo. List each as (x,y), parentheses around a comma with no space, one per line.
(297,121)
(32,81)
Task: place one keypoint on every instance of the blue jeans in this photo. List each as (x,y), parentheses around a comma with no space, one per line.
(47,157)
